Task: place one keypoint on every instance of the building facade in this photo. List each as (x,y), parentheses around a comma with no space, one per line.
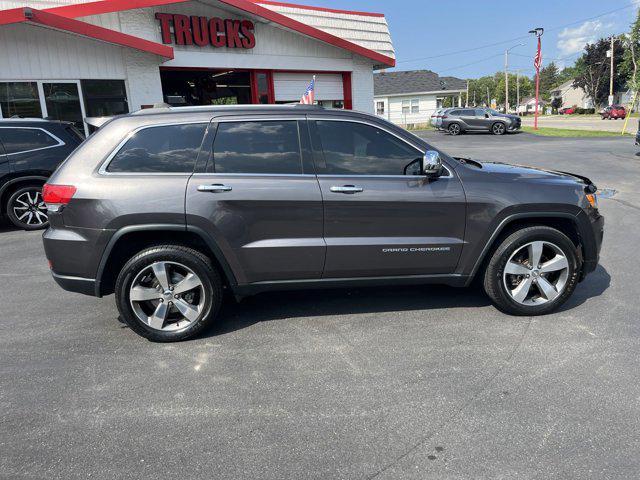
(411,97)
(71,60)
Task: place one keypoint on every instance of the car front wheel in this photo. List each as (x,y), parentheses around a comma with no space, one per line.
(498,128)
(26,208)
(532,272)
(168,293)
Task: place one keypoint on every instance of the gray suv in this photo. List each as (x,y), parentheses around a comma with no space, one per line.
(462,120)
(170,208)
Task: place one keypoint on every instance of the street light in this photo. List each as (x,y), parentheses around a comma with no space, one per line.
(506,76)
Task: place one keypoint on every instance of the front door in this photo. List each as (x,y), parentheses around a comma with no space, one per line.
(381,217)
(259,199)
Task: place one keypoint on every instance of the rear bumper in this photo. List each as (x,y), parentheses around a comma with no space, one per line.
(86,286)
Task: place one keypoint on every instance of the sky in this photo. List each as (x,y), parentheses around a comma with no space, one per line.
(430,34)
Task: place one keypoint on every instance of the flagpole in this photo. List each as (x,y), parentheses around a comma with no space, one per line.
(538,62)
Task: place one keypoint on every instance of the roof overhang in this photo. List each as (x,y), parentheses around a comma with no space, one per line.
(47,19)
(248,6)
(409,94)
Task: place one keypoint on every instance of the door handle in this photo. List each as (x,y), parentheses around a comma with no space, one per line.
(349,189)
(215,188)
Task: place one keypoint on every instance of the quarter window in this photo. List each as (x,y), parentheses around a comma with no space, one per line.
(359,149)
(162,149)
(18,140)
(261,147)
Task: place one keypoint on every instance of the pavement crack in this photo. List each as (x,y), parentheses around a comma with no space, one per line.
(625,203)
(458,412)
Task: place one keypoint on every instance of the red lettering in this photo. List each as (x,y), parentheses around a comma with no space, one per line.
(248,38)
(200,29)
(232,29)
(216,26)
(181,30)
(165,28)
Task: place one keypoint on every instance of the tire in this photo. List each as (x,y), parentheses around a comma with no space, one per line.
(157,313)
(498,128)
(512,250)
(454,129)
(26,209)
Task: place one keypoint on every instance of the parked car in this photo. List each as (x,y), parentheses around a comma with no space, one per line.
(441,115)
(461,120)
(567,111)
(613,112)
(434,117)
(30,150)
(169,207)
(638,134)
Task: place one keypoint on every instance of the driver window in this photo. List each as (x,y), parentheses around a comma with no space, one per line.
(480,113)
(357,149)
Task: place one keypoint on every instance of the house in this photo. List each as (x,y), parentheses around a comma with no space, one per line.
(411,97)
(528,106)
(72,59)
(571,95)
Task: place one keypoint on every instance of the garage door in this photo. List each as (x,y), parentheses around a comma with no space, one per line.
(289,87)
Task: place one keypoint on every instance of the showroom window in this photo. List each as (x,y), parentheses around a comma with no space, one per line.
(162,149)
(104,98)
(271,147)
(20,99)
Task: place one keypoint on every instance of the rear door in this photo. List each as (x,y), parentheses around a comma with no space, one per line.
(259,199)
(382,218)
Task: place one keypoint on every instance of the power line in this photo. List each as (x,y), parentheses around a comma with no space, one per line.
(472,63)
(467,50)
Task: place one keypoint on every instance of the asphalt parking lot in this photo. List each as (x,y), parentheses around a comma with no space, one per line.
(386,383)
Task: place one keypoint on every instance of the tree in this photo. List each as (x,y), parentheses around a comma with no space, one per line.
(593,69)
(548,80)
(631,59)
(526,88)
(478,90)
(556,103)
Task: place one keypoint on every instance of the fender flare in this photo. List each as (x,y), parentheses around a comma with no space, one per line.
(217,252)
(15,180)
(514,217)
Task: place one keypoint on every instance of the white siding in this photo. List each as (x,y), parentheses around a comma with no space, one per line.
(30,52)
(427,105)
(290,86)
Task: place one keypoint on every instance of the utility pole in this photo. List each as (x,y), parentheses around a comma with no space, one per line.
(613,39)
(517,92)
(467,100)
(488,98)
(506,76)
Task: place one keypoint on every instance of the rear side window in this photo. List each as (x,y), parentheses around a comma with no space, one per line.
(261,147)
(358,149)
(22,139)
(455,113)
(162,149)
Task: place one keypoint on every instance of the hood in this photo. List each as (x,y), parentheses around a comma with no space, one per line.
(534,173)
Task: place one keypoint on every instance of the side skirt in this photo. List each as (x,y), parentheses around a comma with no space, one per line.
(257,287)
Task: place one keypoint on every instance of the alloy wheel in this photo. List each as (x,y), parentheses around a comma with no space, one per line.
(167,296)
(536,273)
(454,129)
(498,128)
(29,208)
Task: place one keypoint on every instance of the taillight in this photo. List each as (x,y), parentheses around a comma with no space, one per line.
(57,195)
(444,116)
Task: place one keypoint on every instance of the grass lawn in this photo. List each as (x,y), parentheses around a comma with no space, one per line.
(566,132)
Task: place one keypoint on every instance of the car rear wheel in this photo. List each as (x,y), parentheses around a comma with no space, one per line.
(532,272)
(454,129)
(26,208)
(168,293)
(498,128)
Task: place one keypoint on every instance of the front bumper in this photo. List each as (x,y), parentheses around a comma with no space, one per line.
(592,234)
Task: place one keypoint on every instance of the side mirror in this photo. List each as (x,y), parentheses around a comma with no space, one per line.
(486,115)
(431,163)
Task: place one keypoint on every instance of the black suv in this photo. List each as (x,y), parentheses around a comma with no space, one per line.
(461,120)
(169,207)
(30,150)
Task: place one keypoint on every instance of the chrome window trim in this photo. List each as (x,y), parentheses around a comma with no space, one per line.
(59,144)
(257,118)
(213,174)
(102,170)
(375,125)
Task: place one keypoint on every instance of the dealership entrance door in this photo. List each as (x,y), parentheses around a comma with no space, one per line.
(183,87)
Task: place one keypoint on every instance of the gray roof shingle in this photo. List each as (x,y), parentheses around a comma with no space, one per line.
(413,81)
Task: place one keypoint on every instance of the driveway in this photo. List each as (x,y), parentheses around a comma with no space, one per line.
(582,122)
(389,383)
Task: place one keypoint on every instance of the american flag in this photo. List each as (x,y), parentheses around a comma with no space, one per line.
(309,96)
(537,61)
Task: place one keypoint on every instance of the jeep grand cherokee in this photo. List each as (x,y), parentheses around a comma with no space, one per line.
(169,207)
